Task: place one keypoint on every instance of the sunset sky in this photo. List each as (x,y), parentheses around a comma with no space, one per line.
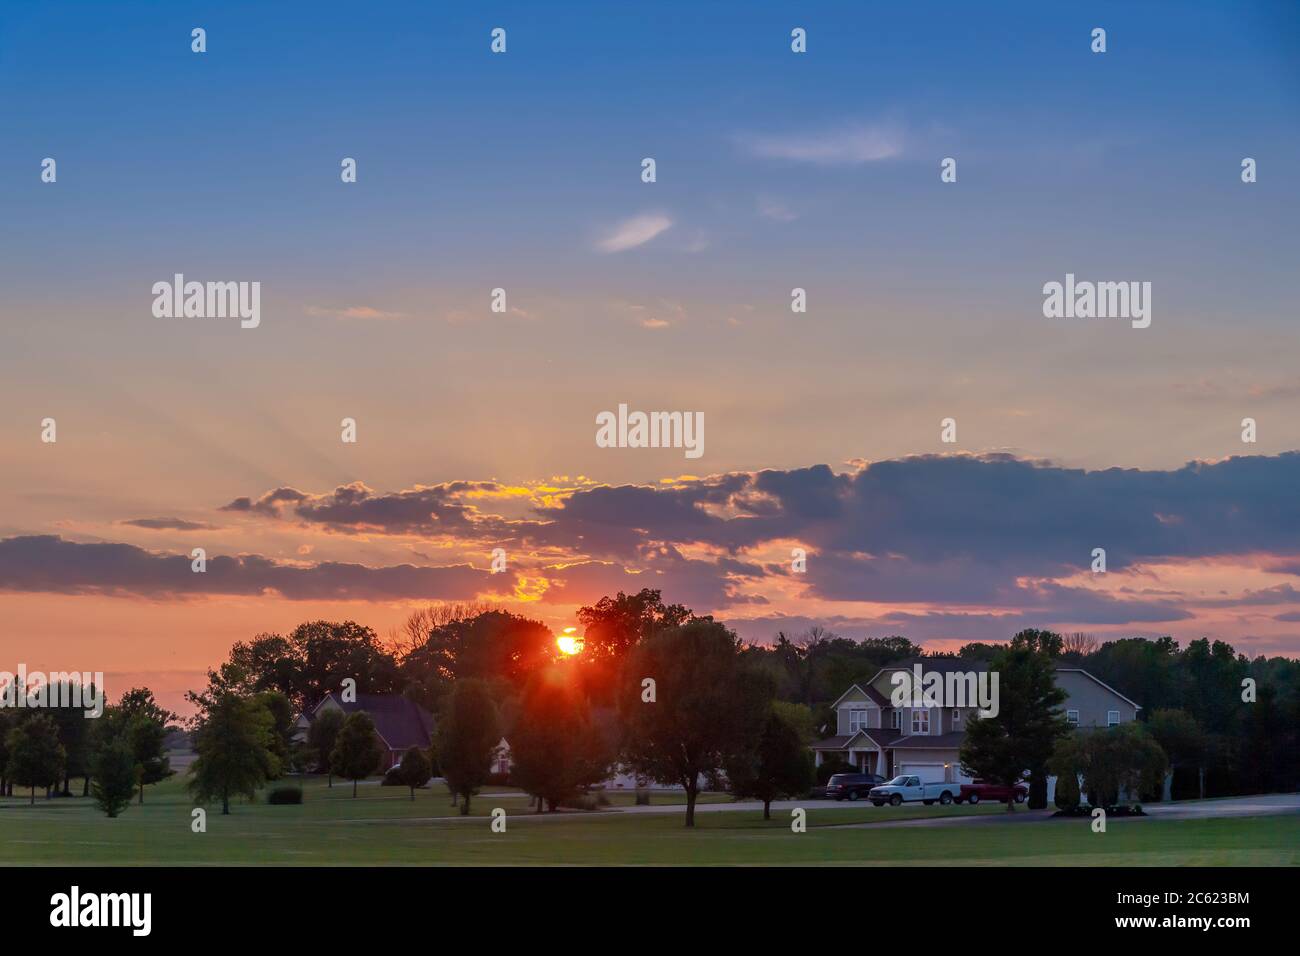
(522,171)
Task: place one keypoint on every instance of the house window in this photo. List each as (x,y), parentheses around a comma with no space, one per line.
(857,720)
(895,720)
(956,719)
(1072,718)
(920,721)
(1112,718)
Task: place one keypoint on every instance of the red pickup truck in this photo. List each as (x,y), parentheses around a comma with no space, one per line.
(983,790)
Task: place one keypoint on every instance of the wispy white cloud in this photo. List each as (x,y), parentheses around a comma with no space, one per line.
(776,210)
(634,232)
(698,242)
(353,312)
(843,146)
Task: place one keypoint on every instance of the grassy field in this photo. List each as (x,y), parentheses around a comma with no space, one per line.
(383,826)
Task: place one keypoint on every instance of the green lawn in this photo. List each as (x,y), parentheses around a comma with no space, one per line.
(383,826)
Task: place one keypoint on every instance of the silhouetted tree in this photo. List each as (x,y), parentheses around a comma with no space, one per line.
(414,770)
(777,763)
(467,736)
(322,735)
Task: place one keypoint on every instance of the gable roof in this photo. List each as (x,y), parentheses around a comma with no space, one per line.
(876,736)
(399,721)
(869,692)
(881,736)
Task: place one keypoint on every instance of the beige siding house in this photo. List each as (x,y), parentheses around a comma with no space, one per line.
(876,737)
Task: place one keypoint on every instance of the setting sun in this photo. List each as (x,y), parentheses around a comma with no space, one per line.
(568,642)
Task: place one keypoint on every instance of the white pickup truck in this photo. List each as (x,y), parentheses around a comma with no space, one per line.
(908,787)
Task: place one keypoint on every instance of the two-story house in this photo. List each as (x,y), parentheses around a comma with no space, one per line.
(876,737)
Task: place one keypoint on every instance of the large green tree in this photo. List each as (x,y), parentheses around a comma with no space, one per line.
(1112,761)
(140,722)
(611,628)
(688,705)
(75,731)
(357,751)
(467,736)
(777,763)
(1021,737)
(501,648)
(233,741)
(305,665)
(35,755)
(556,750)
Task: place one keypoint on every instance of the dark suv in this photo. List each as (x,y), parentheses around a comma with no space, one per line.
(851,786)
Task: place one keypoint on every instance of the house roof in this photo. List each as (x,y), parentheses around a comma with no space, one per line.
(882,736)
(949,741)
(400,721)
(877,698)
(941,665)
(1080,670)
(876,736)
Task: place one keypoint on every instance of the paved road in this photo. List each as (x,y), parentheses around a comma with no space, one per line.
(1267,805)
(1260,806)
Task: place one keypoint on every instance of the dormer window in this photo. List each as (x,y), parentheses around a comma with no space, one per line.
(920,721)
(857,720)
(895,720)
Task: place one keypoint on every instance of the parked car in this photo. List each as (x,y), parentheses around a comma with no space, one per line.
(851,786)
(909,787)
(983,790)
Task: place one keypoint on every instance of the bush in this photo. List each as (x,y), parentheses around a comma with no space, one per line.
(642,797)
(581,802)
(114,778)
(499,779)
(1067,791)
(285,795)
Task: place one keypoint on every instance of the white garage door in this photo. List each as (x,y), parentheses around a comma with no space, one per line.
(928,772)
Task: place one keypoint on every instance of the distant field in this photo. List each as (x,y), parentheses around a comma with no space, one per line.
(383,826)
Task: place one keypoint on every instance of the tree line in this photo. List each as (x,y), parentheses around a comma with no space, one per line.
(667,695)
(116,755)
